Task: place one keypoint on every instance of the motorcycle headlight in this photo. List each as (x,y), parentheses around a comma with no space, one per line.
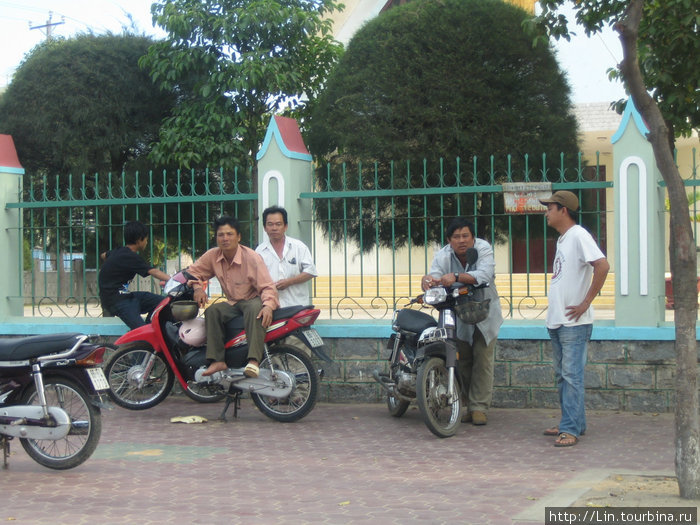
(435,295)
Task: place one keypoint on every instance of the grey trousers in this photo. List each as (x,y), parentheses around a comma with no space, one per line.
(218,314)
(475,366)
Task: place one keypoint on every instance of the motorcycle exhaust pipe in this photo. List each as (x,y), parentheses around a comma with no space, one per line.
(388,385)
(384,381)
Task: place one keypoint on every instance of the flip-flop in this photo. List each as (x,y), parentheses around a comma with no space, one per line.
(251,370)
(565,440)
(554,431)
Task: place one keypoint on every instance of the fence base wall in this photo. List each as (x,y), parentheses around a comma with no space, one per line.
(620,375)
(629,368)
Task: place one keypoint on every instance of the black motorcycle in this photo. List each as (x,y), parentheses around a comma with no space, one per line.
(423,359)
(51,389)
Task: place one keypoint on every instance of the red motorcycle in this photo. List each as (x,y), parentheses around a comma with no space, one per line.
(147,360)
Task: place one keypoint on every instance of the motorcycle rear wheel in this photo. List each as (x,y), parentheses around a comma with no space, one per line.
(124,370)
(302,399)
(431,388)
(204,392)
(86,426)
(397,407)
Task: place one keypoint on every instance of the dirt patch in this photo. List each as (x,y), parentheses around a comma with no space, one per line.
(622,490)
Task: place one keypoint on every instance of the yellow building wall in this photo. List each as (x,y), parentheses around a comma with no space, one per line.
(527,5)
(357,12)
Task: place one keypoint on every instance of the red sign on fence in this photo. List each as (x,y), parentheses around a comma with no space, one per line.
(524,197)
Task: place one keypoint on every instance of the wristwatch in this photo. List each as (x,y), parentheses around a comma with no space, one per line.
(456,277)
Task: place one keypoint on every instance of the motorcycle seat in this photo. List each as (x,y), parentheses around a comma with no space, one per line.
(236,324)
(21,348)
(414,320)
(289,311)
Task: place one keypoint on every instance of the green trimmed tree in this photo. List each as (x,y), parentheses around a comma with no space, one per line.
(76,108)
(431,80)
(83,105)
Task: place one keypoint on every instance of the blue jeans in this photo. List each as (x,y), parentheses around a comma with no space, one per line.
(569,345)
(129,309)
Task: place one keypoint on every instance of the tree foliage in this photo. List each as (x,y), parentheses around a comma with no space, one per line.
(231,63)
(668,49)
(660,47)
(83,113)
(441,79)
(83,105)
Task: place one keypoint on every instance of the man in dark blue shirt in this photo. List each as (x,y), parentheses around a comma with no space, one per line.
(120,266)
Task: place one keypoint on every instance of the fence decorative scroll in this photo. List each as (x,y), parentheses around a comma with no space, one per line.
(348,307)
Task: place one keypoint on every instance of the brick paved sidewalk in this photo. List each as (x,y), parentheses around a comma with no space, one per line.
(342,464)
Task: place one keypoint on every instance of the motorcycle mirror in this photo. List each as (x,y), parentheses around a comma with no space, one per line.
(415,300)
(472,256)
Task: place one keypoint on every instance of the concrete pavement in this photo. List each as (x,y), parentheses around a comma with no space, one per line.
(349,463)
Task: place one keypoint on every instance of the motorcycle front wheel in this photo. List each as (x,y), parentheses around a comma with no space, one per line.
(125,373)
(304,393)
(84,434)
(440,417)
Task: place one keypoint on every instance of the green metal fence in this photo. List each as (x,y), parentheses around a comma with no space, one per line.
(69,221)
(376,226)
(391,216)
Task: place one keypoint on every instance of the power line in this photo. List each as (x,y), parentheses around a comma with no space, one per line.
(605,44)
(49,25)
(22,7)
(27,17)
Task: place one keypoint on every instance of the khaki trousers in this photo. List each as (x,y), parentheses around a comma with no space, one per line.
(475,367)
(218,314)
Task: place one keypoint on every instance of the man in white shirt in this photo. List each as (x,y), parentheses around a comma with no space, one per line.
(287,259)
(578,274)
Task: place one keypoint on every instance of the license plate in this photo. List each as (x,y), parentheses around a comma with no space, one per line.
(313,338)
(97,376)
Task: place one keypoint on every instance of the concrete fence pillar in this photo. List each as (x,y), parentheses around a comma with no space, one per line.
(285,171)
(11,176)
(639,225)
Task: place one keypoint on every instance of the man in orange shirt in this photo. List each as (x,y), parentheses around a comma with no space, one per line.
(249,290)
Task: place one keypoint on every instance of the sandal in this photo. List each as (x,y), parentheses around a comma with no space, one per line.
(565,440)
(554,431)
(251,370)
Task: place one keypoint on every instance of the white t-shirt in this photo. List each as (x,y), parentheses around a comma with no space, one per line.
(571,277)
(296,258)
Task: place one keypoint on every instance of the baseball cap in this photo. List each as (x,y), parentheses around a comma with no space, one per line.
(563,197)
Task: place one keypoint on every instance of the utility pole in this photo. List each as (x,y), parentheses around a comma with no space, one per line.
(49,25)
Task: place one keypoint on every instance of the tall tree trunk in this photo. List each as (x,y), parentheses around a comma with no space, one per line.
(683,261)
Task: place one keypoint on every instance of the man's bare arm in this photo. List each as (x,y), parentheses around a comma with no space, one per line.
(601,267)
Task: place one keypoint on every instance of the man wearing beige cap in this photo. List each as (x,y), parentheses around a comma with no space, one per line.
(578,274)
